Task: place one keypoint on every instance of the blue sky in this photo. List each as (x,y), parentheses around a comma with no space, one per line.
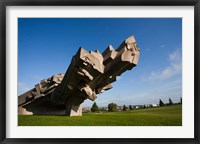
(46,46)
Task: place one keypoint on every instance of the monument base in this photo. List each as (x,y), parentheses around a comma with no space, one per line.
(44,107)
(74,110)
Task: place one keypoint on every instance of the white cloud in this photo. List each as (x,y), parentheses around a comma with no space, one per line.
(162,46)
(119,78)
(174,68)
(21,88)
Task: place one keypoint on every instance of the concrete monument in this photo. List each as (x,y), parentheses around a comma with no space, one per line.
(89,74)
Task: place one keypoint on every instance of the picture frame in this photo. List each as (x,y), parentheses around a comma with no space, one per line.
(5,3)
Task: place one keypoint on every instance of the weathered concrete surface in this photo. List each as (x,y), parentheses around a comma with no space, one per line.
(89,74)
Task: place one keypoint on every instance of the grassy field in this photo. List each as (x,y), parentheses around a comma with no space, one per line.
(162,116)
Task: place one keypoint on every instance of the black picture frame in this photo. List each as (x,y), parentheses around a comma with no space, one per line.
(5,3)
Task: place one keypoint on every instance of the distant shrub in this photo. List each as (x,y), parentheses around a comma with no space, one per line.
(124,108)
(170,102)
(130,107)
(112,107)
(95,108)
(161,103)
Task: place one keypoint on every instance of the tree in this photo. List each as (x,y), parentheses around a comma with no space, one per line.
(180,100)
(112,107)
(102,109)
(144,107)
(130,107)
(124,108)
(94,108)
(161,103)
(170,102)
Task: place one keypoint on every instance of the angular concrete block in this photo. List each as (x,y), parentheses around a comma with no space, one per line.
(88,74)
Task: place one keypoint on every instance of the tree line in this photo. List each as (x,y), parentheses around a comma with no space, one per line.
(161,103)
(112,107)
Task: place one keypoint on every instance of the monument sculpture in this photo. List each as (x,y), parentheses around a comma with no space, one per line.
(88,74)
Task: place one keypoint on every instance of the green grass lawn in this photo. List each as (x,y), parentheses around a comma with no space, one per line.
(162,116)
